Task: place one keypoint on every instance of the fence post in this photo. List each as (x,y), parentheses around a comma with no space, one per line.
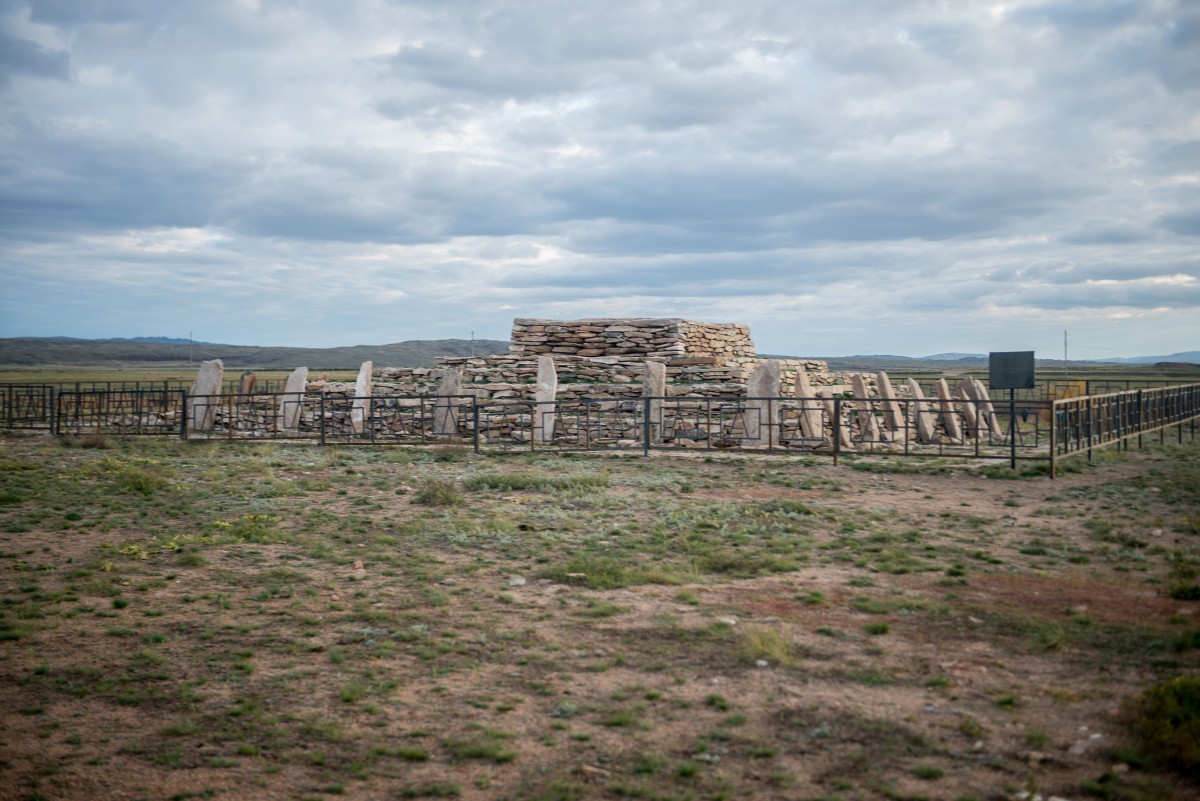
(646,426)
(475,421)
(1088,423)
(1053,437)
(321,417)
(183,416)
(837,429)
(53,411)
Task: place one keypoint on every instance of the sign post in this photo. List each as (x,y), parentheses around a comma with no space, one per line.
(1012,371)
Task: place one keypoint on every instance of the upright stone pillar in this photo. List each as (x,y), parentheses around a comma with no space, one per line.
(762,416)
(292,398)
(445,406)
(544,395)
(810,414)
(246,383)
(206,395)
(949,417)
(360,410)
(926,430)
(868,425)
(654,387)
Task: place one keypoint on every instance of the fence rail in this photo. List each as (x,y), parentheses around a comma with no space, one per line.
(1083,424)
(1017,429)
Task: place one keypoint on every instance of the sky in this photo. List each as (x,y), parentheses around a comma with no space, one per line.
(868,177)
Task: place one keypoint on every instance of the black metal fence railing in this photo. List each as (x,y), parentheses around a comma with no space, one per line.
(998,428)
(26,406)
(1083,424)
(135,413)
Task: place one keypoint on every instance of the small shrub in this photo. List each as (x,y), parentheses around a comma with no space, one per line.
(767,644)
(437,492)
(1166,723)
(98,441)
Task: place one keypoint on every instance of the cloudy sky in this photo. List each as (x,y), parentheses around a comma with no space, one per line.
(876,176)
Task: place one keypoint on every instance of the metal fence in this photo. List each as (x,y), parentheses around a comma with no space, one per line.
(1084,424)
(1012,428)
(27,406)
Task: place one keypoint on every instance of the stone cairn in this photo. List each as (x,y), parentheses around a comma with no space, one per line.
(536,392)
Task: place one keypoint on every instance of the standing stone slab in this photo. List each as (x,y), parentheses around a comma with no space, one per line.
(893,417)
(810,414)
(949,417)
(654,386)
(205,395)
(762,416)
(926,428)
(445,408)
(544,395)
(360,410)
(868,425)
(246,383)
(291,400)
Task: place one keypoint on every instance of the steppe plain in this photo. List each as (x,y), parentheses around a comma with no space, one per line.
(270,621)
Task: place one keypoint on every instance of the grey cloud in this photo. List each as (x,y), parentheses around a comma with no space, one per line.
(1185,222)
(1106,233)
(1165,295)
(58,181)
(23,57)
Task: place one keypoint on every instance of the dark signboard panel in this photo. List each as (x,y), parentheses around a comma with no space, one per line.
(1012,370)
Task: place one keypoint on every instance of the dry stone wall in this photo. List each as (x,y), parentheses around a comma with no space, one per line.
(667,338)
(616,362)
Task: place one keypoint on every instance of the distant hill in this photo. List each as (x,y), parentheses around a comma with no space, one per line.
(147,351)
(1189,356)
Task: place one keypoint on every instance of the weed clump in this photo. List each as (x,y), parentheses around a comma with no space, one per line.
(535,481)
(767,644)
(1166,723)
(96,441)
(437,492)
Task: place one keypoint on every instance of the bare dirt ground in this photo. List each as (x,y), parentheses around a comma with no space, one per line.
(282,622)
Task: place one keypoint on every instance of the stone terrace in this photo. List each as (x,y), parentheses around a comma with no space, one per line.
(660,339)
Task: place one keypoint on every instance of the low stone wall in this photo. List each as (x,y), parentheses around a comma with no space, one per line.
(515,377)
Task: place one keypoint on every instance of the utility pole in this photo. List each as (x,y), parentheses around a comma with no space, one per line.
(472,344)
(1066,370)
(189,348)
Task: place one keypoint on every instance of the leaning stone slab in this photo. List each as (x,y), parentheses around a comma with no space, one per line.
(445,409)
(246,383)
(291,399)
(544,395)
(810,414)
(654,387)
(926,428)
(762,416)
(360,409)
(205,396)
(986,409)
(893,417)
(868,425)
(844,440)
(950,423)
(969,406)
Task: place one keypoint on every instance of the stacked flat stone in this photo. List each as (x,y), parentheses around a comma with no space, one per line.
(665,338)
